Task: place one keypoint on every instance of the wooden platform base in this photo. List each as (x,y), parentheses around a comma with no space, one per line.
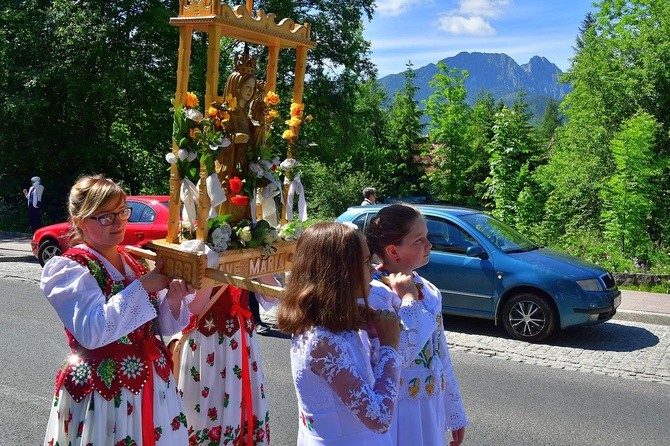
(237,267)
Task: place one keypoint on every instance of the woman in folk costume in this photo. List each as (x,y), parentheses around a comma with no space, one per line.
(430,404)
(220,375)
(116,387)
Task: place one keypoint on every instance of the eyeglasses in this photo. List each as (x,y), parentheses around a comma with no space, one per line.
(110,218)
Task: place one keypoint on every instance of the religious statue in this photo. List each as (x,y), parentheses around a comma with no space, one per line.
(247,123)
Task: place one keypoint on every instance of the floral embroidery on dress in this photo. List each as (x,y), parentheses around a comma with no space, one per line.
(307,421)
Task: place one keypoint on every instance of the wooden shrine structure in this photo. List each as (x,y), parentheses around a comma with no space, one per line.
(217,19)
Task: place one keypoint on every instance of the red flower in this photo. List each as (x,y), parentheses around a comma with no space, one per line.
(205,392)
(212,413)
(240,200)
(215,433)
(129,408)
(210,359)
(235,185)
(233,344)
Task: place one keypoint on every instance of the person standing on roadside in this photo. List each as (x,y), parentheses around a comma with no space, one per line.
(369,196)
(34,196)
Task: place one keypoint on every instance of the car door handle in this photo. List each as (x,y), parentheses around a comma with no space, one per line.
(139,235)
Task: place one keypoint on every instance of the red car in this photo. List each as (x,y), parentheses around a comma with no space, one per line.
(147,222)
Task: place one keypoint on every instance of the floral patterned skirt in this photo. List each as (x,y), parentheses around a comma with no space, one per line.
(97,422)
(212,383)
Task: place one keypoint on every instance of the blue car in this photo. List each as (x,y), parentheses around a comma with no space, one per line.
(486,269)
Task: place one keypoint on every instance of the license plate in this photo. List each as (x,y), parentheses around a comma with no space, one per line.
(617,301)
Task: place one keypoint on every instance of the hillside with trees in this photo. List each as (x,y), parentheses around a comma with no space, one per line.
(86,87)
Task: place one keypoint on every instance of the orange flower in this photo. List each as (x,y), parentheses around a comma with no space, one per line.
(273,113)
(235,185)
(288,134)
(297,109)
(294,121)
(224,116)
(271,98)
(212,111)
(309,118)
(232,102)
(191,100)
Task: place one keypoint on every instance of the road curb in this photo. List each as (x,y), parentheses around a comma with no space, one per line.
(646,317)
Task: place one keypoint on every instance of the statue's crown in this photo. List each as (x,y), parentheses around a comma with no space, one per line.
(245,64)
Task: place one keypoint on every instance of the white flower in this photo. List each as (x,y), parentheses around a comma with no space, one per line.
(182,154)
(186,225)
(289,164)
(257,169)
(193,114)
(221,237)
(244,234)
(222,142)
(192,156)
(270,236)
(170,158)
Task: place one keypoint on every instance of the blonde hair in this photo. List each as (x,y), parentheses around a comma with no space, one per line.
(326,279)
(88,194)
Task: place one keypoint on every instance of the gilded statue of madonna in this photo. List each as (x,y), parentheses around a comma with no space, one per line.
(246,122)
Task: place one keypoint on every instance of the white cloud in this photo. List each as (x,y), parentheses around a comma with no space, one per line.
(469,18)
(476,26)
(395,7)
(482,8)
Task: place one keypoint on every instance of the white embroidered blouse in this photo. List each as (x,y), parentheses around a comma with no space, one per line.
(344,398)
(94,321)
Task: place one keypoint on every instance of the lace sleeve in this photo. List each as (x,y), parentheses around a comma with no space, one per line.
(453,403)
(418,325)
(372,405)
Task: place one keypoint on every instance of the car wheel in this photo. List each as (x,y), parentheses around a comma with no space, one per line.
(529,317)
(48,248)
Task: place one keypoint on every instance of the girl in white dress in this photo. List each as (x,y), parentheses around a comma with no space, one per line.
(344,397)
(116,387)
(430,402)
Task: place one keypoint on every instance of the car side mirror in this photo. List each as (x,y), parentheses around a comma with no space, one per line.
(476,251)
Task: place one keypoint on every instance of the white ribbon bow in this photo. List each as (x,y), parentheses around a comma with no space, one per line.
(295,187)
(215,192)
(188,194)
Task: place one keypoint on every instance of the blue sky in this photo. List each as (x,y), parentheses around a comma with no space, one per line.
(427,31)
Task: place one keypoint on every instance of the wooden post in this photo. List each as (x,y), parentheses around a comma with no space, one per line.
(183,68)
(273,63)
(298,89)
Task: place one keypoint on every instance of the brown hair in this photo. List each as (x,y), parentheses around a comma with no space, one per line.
(326,278)
(90,193)
(389,226)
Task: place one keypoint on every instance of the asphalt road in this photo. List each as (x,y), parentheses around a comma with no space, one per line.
(576,390)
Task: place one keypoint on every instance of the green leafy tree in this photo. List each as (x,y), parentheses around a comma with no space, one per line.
(448,151)
(404,140)
(630,195)
(619,69)
(511,160)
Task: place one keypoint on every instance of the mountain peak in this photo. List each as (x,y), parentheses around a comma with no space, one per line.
(496,73)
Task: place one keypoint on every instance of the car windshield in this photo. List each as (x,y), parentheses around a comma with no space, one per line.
(504,237)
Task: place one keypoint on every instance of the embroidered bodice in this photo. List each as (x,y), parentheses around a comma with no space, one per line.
(223,317)
(119,363)
(340,392)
